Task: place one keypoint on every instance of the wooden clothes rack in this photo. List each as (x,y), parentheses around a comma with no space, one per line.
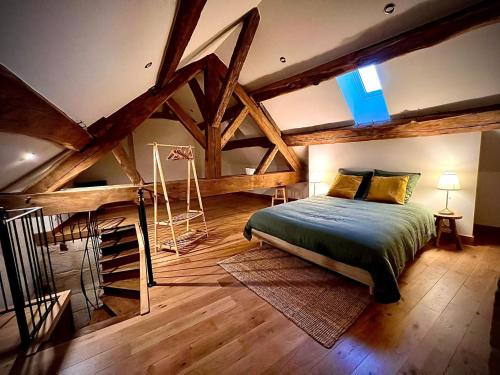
(185,239)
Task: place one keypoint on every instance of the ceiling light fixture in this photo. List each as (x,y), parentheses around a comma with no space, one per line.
(389,8)
(282,59)
(148,65)
(29,156)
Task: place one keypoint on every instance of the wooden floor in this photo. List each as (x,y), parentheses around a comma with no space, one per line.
(204,321)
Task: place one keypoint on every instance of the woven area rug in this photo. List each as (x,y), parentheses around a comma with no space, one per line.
(320,302)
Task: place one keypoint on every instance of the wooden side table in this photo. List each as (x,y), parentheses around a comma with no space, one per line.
(451,228)
(279,195)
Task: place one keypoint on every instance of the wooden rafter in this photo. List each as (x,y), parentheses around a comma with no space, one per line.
(186,18)
(260,118)
(462,121)
(267,160)
(250,23)
(127,165)
(89,199)
(248,142)
(430,34)
(118,126)
(24,111)
(187,121)
(233,126)
(199,96)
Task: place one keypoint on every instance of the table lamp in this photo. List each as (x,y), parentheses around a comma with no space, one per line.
(448,181)
(315,179)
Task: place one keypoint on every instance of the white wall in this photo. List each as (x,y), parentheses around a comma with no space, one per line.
(429,155)
(161,131)
(488,186)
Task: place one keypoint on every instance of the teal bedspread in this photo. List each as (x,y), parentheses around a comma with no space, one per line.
(377,237)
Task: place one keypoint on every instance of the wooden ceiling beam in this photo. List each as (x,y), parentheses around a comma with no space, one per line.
(247,33)
(430,34)
(233,126)
(259,117)
(187,122)
(267,160)
(24,111)
(118,126)
(127,165)
(186,18)
(462,121)
(248,142)
(90,199)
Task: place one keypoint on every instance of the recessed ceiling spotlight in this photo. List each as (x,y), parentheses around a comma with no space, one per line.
(29,156)
(148,65)
(282,59)
(389,8)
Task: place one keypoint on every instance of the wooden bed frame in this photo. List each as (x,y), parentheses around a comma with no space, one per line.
(351,272)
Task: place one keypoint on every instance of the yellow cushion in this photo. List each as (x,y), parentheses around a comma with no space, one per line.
(388,189)
(345,186)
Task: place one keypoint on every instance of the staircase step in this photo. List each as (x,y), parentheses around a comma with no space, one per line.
(99,315)
(116,245)
(113,233)
(120,305)
(116,259)
(124,271)
(125,287)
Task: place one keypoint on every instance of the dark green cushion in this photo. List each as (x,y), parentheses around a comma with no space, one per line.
(412,181)
(365,183)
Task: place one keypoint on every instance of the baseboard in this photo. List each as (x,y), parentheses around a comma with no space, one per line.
(479,228)
(467,240)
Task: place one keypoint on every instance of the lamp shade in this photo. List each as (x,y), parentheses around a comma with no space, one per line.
(315,177)
(448,181)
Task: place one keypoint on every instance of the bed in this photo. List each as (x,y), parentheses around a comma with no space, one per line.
(367,241)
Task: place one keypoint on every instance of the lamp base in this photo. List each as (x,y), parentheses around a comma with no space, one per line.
(446,211)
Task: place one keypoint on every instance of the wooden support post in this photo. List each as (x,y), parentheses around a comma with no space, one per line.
(213,163)
(267,160)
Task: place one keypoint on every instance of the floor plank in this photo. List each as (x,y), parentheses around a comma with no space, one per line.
(202,320)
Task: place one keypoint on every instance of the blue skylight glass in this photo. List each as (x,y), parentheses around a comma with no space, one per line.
(364,96)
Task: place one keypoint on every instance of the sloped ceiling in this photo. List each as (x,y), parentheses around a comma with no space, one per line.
(308,33)
(89,57)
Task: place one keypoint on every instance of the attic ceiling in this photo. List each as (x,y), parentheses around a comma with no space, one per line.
(88,58)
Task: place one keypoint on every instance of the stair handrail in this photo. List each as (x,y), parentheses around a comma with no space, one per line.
(141,207)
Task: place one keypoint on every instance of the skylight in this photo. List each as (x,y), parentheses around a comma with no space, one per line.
(364,96)
(369,77)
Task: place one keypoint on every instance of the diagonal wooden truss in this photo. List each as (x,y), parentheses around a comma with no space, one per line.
(106,134)
(86,147)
